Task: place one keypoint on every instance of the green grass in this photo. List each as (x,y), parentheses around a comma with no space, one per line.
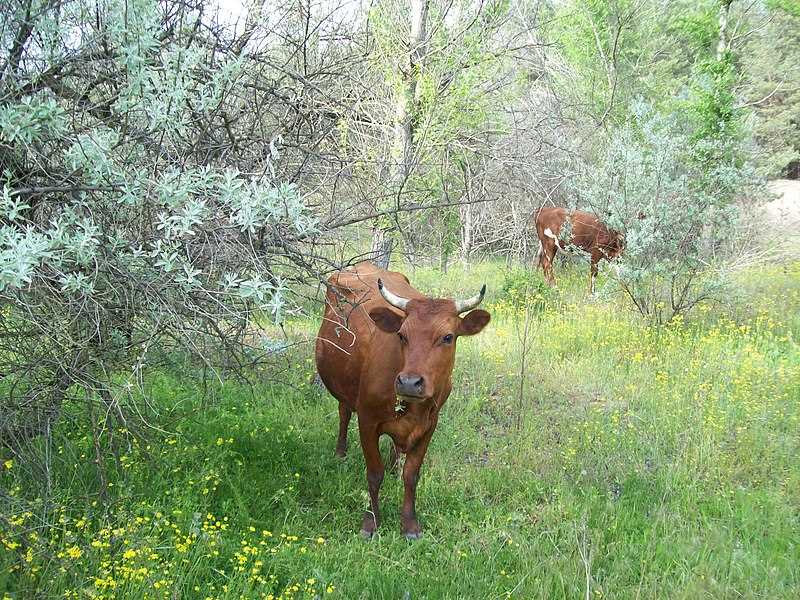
(651,463)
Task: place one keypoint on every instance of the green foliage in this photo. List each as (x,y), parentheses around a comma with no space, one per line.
(710,99)
(697,24)
(32,119)
(771,84)
(526,289)
(454,96)
(125,231)
(675,211)
(611,47)
(791,7)
(715,120)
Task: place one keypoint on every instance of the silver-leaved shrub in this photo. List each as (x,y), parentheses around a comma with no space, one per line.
(678,211)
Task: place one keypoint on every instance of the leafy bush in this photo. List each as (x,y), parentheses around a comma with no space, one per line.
(677,212)
(130,230)
(524,288)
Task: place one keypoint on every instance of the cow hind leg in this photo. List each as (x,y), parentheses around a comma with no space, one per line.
(546,261)
(538,258)
(345,413)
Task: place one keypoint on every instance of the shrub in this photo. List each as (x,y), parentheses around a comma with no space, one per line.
(524,288)
(677,212)
(141,214)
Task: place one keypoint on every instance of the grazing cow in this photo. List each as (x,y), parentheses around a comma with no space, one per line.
(387,352)
(587,232)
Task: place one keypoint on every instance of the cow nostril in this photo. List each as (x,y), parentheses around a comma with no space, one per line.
(410,382)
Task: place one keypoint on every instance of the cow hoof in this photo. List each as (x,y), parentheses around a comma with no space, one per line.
(340,453)
(369,525)
(411,529)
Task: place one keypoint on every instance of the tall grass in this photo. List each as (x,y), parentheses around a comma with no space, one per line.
(637,463)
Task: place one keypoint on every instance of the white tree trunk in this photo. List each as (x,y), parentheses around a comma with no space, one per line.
(466,215)
(409,95)
(723,44)
(382,244)
(402,159)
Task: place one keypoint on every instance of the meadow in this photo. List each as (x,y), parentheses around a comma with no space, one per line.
(582,454)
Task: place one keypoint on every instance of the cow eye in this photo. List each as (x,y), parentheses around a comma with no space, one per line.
(448,339)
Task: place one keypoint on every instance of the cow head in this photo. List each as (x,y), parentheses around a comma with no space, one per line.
(616,245)
(427,332)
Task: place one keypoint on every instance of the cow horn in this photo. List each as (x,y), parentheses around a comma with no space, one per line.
(393,299)
(469,304)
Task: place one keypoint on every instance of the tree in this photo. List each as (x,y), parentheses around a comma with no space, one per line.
(771,89)
(406,99)
(443,89)
(143,219)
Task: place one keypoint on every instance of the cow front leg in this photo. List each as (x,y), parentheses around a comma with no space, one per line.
(345,413)
(409,525)
(375,470)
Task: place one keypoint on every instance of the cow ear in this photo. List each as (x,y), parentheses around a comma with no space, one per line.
(474,322)
(386,320)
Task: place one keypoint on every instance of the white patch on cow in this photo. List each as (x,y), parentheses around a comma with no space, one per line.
(549,233)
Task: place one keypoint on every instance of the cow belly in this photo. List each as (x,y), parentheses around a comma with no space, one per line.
(341,385)
(338,366)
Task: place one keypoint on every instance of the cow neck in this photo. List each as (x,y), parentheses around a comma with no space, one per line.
(416,420)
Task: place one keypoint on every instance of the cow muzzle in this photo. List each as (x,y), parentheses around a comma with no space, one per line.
(410,386)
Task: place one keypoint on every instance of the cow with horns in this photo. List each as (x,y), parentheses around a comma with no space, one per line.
(387,352)
(586,231)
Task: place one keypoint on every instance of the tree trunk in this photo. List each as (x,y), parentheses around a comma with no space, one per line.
(466,232)
(466,215)
(382,244)
(409,95)
(520,244)
(723,44)
(402,159)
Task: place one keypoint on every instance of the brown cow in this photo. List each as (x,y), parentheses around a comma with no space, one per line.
(387,352)
(587,232)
